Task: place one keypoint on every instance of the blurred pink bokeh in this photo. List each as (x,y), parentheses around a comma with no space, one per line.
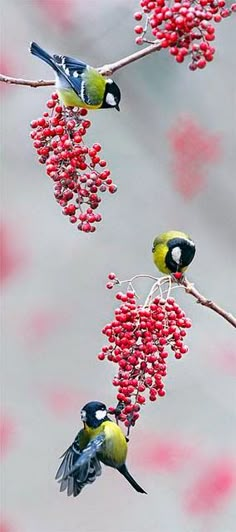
(12,253)
(213,487)
(193,150)
(58,13)
(171,151)
(7,434)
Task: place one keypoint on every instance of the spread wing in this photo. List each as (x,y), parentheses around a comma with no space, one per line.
(78,467)
(80,75)
(87,456)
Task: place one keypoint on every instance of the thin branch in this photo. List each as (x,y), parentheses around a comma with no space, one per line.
(106,70)
(190,289)
(28,82)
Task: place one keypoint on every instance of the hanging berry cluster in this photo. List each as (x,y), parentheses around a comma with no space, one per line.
(79,173)
(140,338)
(184,27)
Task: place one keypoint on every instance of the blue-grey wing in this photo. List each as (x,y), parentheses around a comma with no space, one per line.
(88,455)
(73,70)
(70,63)
(80,76)
(72,478)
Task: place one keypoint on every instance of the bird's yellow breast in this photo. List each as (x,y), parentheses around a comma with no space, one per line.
(159,255)
(115,444)
(114,449)
(71,99)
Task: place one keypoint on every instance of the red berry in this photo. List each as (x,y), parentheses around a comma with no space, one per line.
(138,29)
(139,40)
(141,399)
(138,16)
(50,104)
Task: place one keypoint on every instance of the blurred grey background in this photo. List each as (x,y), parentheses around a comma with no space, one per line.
(53,282)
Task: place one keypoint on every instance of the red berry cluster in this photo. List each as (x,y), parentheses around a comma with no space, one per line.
(139,338)
(79,173)
(185,27)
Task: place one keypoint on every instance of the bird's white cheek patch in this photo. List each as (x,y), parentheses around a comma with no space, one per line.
(100,414)
(110,99)
(176,254)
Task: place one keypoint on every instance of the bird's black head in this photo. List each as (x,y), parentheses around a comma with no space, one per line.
(112,95)
(94,413)
(181,253)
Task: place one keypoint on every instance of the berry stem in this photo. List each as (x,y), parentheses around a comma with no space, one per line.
(138,276)
(158,286)
(106,70)
(189,289)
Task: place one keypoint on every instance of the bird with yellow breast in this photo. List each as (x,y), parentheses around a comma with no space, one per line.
(100,440)
(79,84)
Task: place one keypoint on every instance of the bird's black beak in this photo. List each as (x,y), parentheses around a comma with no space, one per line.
(117,107)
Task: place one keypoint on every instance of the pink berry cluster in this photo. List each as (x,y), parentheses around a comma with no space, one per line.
(184,27)
(79,173)
(140,338)
(193,150)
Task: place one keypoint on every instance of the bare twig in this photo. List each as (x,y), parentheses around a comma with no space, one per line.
(106,70)
(27,82)
(190,289)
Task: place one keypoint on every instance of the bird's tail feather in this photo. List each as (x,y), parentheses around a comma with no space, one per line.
(36,50)
(124,471)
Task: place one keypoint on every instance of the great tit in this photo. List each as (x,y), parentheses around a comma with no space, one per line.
(101,440)
(78,84)
(173,251)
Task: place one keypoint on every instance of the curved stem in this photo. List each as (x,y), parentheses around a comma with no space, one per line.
(138,276)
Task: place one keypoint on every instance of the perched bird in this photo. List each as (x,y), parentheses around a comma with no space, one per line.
(78,84)
(101,440)
(173,251)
